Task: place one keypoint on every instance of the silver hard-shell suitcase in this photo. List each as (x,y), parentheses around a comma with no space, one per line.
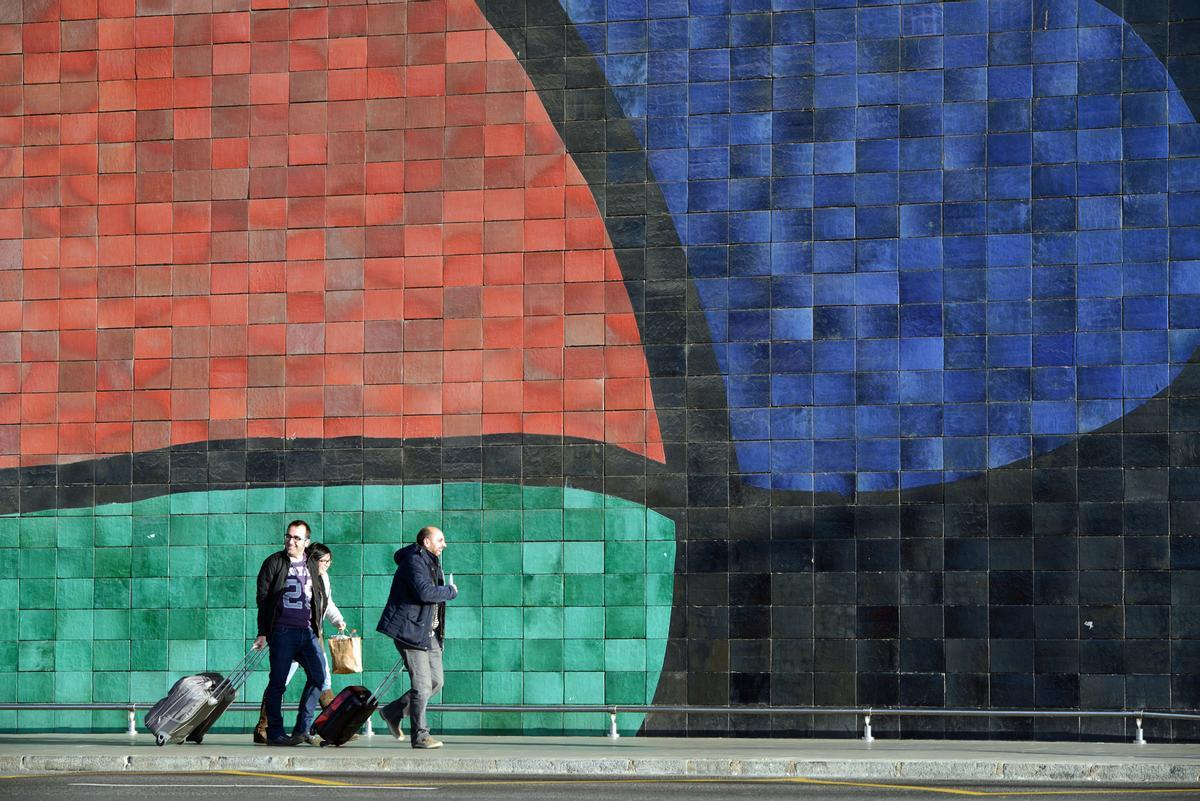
(194,703)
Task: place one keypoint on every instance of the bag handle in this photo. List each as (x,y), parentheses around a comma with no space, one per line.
(387,681)
(247,665)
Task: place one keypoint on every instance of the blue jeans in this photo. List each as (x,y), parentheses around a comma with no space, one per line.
(325,685)
(287,646)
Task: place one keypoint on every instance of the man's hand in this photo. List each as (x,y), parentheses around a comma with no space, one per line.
(342,628)
(260,642)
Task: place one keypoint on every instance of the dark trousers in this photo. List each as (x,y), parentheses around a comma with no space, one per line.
(293,645)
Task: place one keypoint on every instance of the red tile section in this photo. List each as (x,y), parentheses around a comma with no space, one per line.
(274,221)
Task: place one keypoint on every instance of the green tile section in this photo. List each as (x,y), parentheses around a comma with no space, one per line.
(564,596)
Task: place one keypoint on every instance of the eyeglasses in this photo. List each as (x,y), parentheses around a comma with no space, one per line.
(293,537)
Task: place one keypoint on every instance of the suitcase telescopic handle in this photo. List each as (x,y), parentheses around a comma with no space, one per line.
(387,681)
(247,665)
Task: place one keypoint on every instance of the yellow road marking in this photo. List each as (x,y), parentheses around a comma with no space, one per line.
(798,780)
(286,777)
(881,786)
(1072,791)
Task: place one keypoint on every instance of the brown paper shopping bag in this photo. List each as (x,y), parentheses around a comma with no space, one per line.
(346,653)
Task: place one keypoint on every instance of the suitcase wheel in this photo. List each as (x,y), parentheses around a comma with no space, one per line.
(197,740)
(160,739)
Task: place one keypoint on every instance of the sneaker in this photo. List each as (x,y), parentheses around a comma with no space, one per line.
(311,739)
(425,741)
(394,727)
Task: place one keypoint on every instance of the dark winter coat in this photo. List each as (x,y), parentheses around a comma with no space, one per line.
(417,589)
(272,580)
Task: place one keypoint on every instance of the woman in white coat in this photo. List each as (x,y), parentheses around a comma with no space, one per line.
(332,614)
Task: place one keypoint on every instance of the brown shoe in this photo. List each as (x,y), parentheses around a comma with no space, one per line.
(260,731)
(326,698)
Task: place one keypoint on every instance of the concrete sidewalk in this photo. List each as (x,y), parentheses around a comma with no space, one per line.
(883,760)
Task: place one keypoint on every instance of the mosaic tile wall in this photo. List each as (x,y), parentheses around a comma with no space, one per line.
(564,596)
(929,238)
(750,352)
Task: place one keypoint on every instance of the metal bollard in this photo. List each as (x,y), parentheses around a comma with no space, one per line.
(132,730)
(867,736)
(1139,738)
(613,734)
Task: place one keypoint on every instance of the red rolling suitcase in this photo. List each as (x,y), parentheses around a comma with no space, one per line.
(349,710)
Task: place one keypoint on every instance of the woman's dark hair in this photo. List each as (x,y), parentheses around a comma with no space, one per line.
(317,550)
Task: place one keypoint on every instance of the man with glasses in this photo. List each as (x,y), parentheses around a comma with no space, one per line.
(291,605)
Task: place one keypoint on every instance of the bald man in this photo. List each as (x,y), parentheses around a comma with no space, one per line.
(415,619)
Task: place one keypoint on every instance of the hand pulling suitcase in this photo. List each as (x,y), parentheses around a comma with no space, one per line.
(194,703)
(349,710)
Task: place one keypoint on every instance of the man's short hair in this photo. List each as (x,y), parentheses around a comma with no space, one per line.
(427,531)
(307,528)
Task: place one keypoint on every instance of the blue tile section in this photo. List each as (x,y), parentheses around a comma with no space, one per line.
(930,238)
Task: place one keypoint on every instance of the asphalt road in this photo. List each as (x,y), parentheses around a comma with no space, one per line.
(235,786)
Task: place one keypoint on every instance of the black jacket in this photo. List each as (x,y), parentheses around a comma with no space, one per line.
(272,578)
(417,588)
